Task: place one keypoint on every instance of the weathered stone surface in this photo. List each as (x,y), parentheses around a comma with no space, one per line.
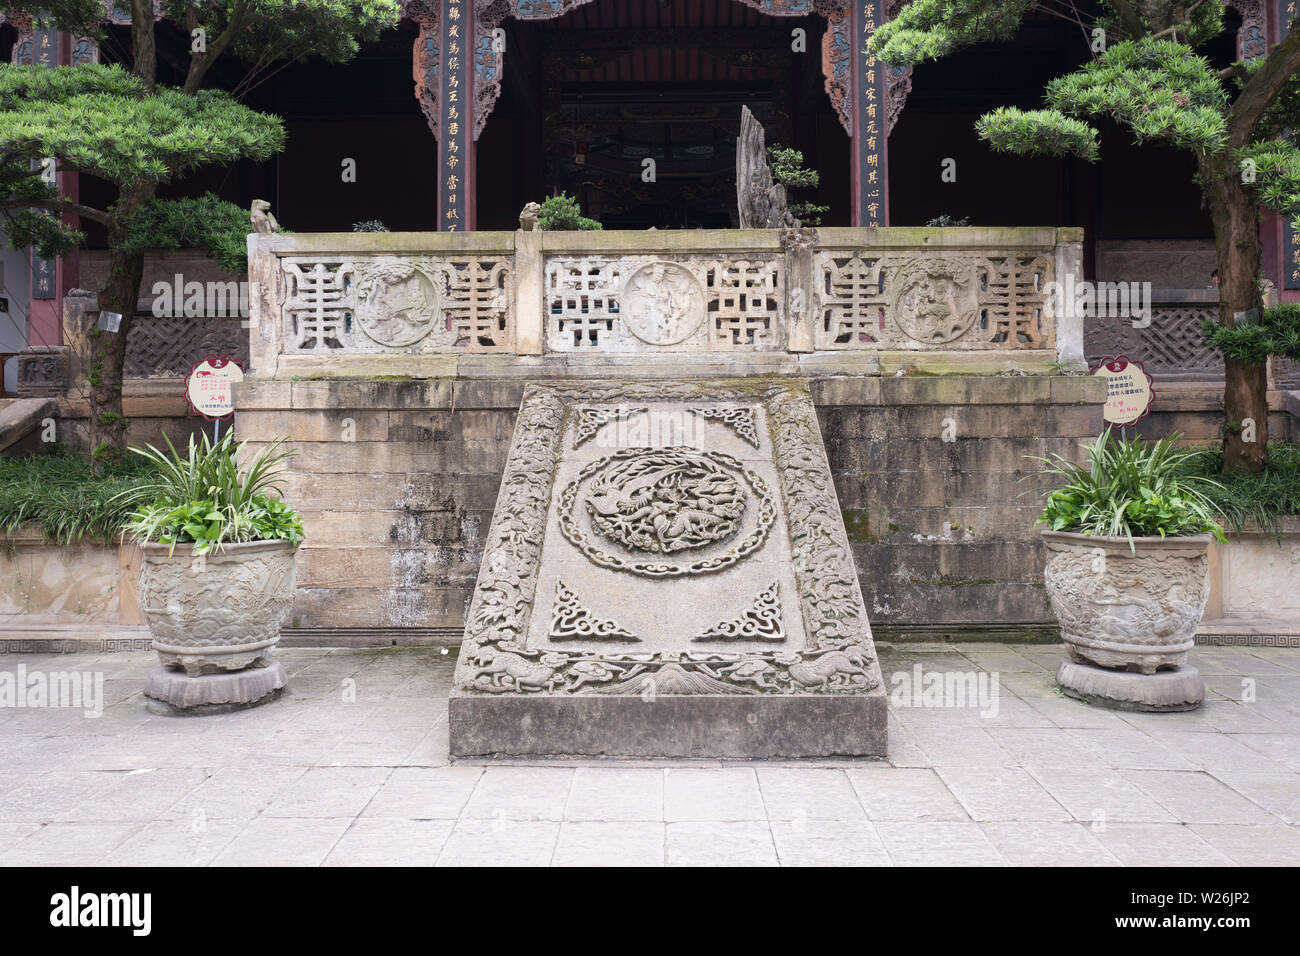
(1126,607)
(172,692)
(762,203)
(1169,690)
(216,612)
(663,555)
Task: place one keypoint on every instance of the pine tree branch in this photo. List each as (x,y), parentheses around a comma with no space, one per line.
(200,64)
(57,205)
(1262,89)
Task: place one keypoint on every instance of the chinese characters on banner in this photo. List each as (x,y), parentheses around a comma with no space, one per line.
(456,124)
(870,122)
(1286,9)
(45,45)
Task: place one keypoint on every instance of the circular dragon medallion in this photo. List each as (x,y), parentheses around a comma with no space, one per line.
(938,300)
(662,304)
(655,504)
(397,304)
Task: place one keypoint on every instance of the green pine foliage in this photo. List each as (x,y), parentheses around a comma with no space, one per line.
(788,170)
(1276,333)
(204,222)
(562,212)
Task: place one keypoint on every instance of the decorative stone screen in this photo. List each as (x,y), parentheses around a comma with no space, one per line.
(327,296)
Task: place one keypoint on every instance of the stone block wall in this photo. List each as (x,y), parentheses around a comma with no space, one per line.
(397,481)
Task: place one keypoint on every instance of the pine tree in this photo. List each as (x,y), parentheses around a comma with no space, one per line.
(124,127)
(1146,74)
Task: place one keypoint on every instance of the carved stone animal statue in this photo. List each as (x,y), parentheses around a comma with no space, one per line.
(821,671)
(504,669)
(528,217)
(263,222)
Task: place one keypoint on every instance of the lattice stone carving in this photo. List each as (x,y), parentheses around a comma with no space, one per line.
(761,621)
(571,620)
(1171,344)
(745,304)
(953,301)
(318,304)
(648,303)
(168,347)
(399,303)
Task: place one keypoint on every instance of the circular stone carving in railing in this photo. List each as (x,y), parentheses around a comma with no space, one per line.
(662,304)
(936,300)
(397,303)
(654,504)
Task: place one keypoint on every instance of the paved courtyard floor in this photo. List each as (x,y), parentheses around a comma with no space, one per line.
(351,767)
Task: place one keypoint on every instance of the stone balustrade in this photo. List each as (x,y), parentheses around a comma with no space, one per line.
(369,304)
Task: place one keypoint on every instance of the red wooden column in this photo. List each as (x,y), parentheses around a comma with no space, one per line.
(45,311)
(870,119)
(1281,243)
(456,160)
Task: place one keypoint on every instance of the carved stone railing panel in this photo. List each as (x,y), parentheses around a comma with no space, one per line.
(533,293)
(651,303)
(410,304)
(1171,344)
(923,300)
(168,347)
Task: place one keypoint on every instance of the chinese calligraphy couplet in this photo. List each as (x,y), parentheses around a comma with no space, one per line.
(456,124)
(870,174)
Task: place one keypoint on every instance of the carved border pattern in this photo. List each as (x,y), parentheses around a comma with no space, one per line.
(571,620)
(839,656)
(592,420)
(761,621)
(739,419)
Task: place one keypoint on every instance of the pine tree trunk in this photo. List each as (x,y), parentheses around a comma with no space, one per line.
(107,357)
(1236,237)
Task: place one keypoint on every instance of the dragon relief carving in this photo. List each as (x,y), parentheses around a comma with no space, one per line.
(839,657)
(662,502)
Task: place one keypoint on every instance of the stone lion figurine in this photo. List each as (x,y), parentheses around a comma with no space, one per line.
(528,218)
(263,222)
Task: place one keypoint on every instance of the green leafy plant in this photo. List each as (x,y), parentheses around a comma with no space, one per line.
(1130,488)
(788,170)
(64,494)
(370,225)
(1261,499)
(1276,333)
(563,212)
(206,498)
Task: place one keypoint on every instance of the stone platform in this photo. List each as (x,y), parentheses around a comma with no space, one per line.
(667,574)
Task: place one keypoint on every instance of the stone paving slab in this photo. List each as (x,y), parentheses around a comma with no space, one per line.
(350,768)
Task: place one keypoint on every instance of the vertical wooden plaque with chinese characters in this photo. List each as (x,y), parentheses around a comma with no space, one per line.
(870,157)
(456,122)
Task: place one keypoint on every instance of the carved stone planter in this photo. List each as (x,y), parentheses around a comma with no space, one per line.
(1128,611)
(217,618)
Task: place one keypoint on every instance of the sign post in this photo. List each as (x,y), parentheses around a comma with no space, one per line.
(209,388)
(1128,391)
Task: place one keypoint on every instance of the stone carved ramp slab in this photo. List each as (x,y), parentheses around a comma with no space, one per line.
(667,575)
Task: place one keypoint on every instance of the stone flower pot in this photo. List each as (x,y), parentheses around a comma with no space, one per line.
(1125,610)
(217,617)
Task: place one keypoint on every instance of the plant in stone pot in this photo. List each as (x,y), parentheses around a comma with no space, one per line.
(1127,571)
(217,575)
